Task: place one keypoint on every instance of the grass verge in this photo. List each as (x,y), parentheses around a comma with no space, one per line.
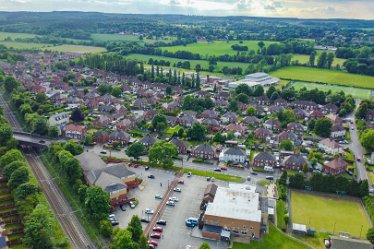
(281,210)
(218,176)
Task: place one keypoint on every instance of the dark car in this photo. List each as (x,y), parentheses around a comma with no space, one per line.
(151,246)
(217,170)
(145,220)
(146,167)
(122,207)
(42,141)
(254,173)
(151,177)
(161,222)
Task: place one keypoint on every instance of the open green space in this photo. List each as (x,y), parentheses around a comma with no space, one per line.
(171,130)
(274,239)
(324,76)
(331,214)
(24,45)
(218,176)
(204,64)
(215,48)
(304,58)
(131,38)
(4,35)
(357,93)
(77,49)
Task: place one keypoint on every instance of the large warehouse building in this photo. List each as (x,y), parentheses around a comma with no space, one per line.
(254,80)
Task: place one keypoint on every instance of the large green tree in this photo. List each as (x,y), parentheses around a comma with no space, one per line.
(19,176)
(11,167)
(97,203)
(323,127)
(122,239)
(197,132)
(11,156)
(204,245)
(136,150)
(25,190)
(370,235)
(135,227)
(367,140)
(77,115)
(163,153)
(10,84)
(286,145)
(159,123)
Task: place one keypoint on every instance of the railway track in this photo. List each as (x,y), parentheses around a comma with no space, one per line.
(60,206)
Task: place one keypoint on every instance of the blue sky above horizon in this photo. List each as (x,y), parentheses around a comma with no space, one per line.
(357,9)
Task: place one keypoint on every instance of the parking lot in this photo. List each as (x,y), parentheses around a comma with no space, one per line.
(176,234)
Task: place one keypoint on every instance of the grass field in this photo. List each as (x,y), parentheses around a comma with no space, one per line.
(215,48)
(204,64)
(24,45)
(304,58)
(274,239)
(325,213)
(357,93)
(4,35)
(118,37)
(77,49)
(324,76)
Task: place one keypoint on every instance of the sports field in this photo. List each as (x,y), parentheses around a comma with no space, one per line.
(215,48)
(4,35)
(357,93)
(329,214)
(324,76)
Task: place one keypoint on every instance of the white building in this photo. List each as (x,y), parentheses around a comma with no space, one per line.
(233,154)
(330,146)
(255,79)
(59,120)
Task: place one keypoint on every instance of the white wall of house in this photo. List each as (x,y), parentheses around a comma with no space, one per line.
(231,158)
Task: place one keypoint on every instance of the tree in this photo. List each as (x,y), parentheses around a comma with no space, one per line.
(10,84)
(136,150)
(330,59)
(122,239)
(367,140)
(251,111)
(312,58)
(73,147)
(77,115)
(135,227)
(19,176)
(159,122)
(41,98)
(197,132)
(274,96)
(311,124)
(233,105)
(11,167)
(11,156)
(297,181)
(53,131)
(6,134)
(283,179)
(117,91)
(323,127)
(243,98)
(286,116)
(40,127)
(163,153)
(106,229)
(180,132)
(25,190)
(219,138)
(38,229)
(270,91)
(370,235)
(168,90)
(322,60)
(259,91)
(243,88)
(286,145)
(204,245)
(97,203)
(261,44)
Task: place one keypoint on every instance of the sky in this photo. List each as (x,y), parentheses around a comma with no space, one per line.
(356,9)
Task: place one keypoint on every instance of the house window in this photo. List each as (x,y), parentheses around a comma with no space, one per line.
(251,227)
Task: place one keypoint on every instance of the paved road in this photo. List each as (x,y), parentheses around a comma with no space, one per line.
(356,147)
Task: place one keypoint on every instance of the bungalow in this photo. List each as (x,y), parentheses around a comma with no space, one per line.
(330,146)
(233,154)
(204,151)
(147,141)
(294,162)
(264,159)
(272,124)
(335,167)
(181,145)
(74,131)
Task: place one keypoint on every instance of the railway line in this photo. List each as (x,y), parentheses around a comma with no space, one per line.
(60,206)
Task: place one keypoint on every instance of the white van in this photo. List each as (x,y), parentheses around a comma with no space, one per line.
(268,169)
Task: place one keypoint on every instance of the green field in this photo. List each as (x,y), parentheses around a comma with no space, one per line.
(324,76)
(77,49)
(24,45)
(357,93)
(215,48)
(119,37)
(204,64)
(304,58)
(4,35)
(274,239)
(325,213)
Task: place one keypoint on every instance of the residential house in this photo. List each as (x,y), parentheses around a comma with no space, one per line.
(209,114)
(251,120)
(305,104)
(172,120)
(204,151)
(316,114)
(296,127)
(264,159)
(59,120)
(299,113)
(126,124)
(74,131)
(280,102)
(330,108)
(147,141)
(287,135)
(139,103)
(212,124)
(330,146)
(102,121)
(272,124)
(236,128)
(263,133)
(150,114)
(170,107)
(186,121)
(180,144)
(233,154)
(101,137)
(294,162)
(120,137)
(335,167)
(229,117)
(263,100)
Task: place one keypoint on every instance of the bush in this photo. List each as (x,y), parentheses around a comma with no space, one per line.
(106,228)
(198,160)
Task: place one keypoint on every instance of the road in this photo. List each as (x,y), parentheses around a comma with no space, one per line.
(356,147)
(60,206)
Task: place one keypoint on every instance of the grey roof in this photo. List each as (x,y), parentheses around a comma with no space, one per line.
(115,187)
(109,175)
(147,140)
(264,156)
(295,159)
(234,151)
(90,161)
(178,142)
(204,148)
(344,243)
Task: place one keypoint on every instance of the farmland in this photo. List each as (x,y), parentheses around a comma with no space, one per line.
(24,45)
(329,213)
(304,58)
(324,76)
(77,49)
(215,48)
(130,38)
(5,35)
(357,93)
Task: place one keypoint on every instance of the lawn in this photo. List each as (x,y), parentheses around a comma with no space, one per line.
(325,213)
(4,35)
(218,176)
(77,49)
(371,177)
(215,48)
(324,76)
(171,130)
(274,239)
(358,93)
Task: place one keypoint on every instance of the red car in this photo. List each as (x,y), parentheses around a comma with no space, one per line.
(129,164)
(155,236)
(223,168)
(135,165)
(158,229)
(181,181)
(152,242)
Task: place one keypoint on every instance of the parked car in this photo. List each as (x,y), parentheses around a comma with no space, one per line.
(145,220)
(174,198)
(191,222)
(161,222)
(132,204)
(208,179)
(158,229)
(146,167)
(155,236)
(223,168)
(103,152)
(181,181)
(189,174)
(254,173)
(177,190)
(170,203)
(136,165)
(158,197)
(269,177)
(129,164)
(114,222)
(150,246)
(151,177)
(149,211)
(122,207)
(358,159)
(152,242)
(217,170)
(212,179)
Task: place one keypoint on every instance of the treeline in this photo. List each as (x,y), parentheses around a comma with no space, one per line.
(360,66)
(330,184)
(348,53)
(112,63)
(197,104)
